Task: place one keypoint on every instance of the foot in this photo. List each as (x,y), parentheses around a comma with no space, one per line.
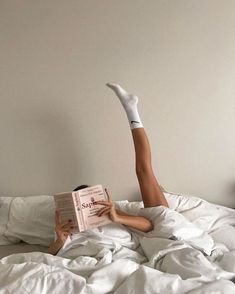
(128,100)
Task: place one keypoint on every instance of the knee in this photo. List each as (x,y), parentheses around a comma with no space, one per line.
(143,169)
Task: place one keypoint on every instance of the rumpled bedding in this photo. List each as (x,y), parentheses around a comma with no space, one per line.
(178,256)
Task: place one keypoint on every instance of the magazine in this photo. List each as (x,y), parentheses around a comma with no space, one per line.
(80,207)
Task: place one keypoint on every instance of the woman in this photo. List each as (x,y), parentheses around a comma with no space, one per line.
(149,187)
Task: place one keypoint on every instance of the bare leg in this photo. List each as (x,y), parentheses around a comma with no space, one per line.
(149,187)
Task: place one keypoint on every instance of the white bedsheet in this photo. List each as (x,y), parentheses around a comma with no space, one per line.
(21,247)
(178,256)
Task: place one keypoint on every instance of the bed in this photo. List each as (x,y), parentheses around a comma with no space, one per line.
(190,250)
(21,247)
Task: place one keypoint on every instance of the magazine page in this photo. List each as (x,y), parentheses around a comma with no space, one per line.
(77,206)
(88,197)
(65,205)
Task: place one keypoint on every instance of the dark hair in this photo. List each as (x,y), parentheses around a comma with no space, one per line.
(81,187)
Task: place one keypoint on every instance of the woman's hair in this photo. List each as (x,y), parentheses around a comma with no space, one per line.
(81,187)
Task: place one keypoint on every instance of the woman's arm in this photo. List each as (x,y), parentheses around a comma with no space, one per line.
(55,247)
(63,230)
(136,222)
(141,221)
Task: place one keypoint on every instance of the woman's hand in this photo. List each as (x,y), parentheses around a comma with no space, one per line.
(63,229)
(136,222)
(109,208)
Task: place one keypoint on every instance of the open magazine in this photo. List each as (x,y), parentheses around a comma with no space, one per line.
(80,207)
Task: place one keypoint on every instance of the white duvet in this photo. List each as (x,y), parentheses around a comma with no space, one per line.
(178,256)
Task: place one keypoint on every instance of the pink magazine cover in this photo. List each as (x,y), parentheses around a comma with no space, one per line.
(89,209)
(80,207)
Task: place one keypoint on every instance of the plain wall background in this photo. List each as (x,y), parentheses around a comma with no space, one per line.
(61,127)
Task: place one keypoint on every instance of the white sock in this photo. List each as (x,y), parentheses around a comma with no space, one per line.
(129,103)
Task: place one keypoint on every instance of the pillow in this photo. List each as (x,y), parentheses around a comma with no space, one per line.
(132,207)
(206,215)
(29,219)
(226,236)
(5,203)
(180,202)
(169,224)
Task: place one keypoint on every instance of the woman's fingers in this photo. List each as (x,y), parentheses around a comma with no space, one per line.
(58,221)
(103,202)
(68,222)
(57,217)
(104,210)
(107,193)
(67,226)
(108,205)
(64,232)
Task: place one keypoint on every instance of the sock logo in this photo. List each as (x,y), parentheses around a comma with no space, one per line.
(134,121)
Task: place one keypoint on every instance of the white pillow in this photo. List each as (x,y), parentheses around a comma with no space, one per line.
(180,202)
(5,203)
(30,219)
(206,215)
(129,207)
(169,224)
(226,236)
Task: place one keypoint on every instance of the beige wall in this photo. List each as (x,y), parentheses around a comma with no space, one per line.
(61,127)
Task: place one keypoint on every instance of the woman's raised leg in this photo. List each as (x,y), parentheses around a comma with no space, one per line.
(149,187)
